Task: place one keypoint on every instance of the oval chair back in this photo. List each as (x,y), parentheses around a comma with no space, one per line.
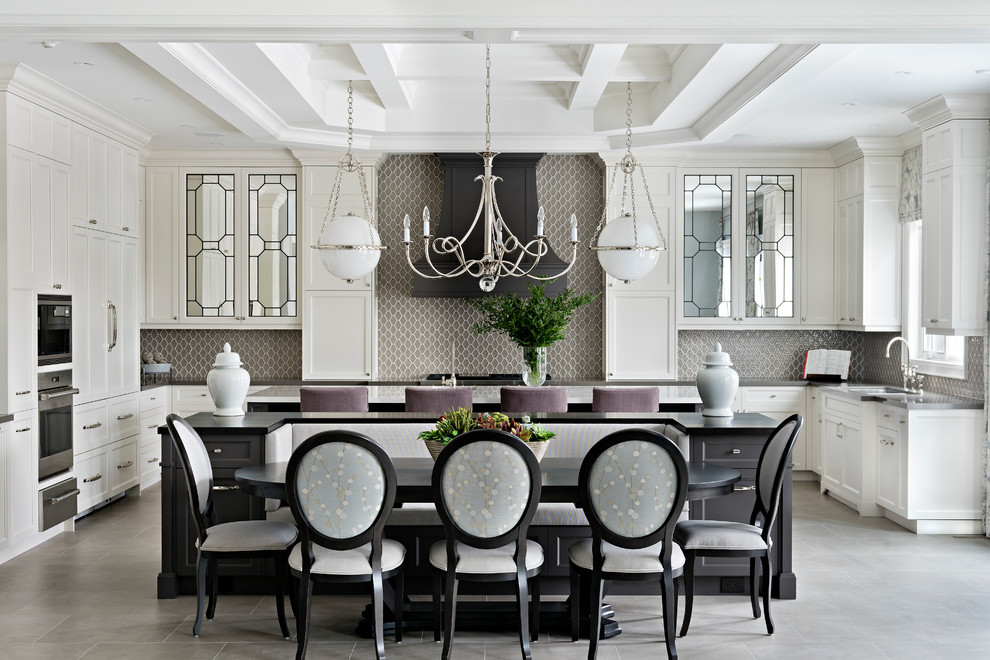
(770,471)
(195,462)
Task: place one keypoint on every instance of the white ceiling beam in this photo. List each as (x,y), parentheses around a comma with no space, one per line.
(380,69)
(600,63)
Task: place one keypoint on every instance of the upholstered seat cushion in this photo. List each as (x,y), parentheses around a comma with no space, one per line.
(250,536)
(479,561)
(718,535)
(623,560)
(349,562)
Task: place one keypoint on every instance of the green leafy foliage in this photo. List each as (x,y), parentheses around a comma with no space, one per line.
(535,321)
(455,422)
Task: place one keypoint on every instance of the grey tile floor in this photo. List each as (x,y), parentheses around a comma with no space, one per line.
(866,589)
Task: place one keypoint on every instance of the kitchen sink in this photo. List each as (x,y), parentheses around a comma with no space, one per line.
(878,389)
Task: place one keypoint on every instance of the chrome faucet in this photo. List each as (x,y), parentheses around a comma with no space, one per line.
(452,381)
(911,378)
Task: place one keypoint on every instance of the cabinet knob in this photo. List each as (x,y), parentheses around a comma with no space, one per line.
(217,451)
(736,451)
(842,318)
(56,286)
(202,394)
(773,396)
(175,318)
(92,222)
(126,228)
(804,318)
(852,318)
(934,321)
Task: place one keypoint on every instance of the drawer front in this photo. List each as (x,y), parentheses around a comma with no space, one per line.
(151,471)
(736,453)
(125,471)
(231,453)
(191,399)
(157,397)
(841,406)
(124,417)
(92,478)
(892,418)
(90,427)
(774,399)
(150,422)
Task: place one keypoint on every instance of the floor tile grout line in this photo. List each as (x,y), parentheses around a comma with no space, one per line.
(53,628)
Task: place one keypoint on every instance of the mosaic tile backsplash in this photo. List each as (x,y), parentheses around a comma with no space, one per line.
(415,334)
(268,355)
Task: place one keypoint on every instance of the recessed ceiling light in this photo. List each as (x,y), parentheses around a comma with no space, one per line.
(80,63)
(185,125)
(848,105)
(142,99)
(903,73)
(980,72)
(210,134)
(50,44)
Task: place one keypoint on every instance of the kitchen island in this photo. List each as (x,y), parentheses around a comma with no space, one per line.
(255,438)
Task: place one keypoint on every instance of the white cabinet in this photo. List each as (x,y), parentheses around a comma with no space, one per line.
(92,478)
(816,230)
(867,244)
(849,453)
(154,408)
(21,352)
(161,245)
(954,203)
(104,183)
(779,403)
(5,431)
(105,333)
(21,477)
(813,431)
(928,469)
(37,129)
(640,320)
(188,400)
(106,451)
(339,335)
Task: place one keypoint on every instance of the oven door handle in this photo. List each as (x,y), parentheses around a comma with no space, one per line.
(60,498)
(45,396)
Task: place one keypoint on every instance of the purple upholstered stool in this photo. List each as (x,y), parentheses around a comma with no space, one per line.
(437,399)
(516,399)
(333,399)
(625,399)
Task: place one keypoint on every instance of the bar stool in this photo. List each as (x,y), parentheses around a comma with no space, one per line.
(625,399)
(521,399)
(437,399)
(333,399)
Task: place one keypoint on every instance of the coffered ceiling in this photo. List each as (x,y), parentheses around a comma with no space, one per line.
(718,75)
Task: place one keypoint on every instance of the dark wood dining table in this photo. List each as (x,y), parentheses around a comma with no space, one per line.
(560,480)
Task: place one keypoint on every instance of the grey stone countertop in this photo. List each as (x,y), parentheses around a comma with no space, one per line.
(896,396)
(4,418)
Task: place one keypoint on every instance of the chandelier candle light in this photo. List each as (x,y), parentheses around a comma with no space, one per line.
(353,247)
(503,253)
(628,249)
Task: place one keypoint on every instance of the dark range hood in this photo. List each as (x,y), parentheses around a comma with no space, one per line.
(517,200)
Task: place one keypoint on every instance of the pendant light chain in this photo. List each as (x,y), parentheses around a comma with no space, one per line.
(488,97)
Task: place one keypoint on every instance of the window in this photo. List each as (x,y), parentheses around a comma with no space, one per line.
(937,355)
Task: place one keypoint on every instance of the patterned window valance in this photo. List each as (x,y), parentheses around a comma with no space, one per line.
(910,206)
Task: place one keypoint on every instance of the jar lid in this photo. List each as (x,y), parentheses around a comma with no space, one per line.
(718,357)
(227,358)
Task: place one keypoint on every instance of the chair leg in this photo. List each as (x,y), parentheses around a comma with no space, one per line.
(754,596)
(574,602)
(280,564)
(449,613)
(377,597)
(214,588)
(595,620)
(688,591)
(303,607)
(767,577)
(669,614)
(522,597)
(534,609)
(399,588)
(437,588)
(200,594)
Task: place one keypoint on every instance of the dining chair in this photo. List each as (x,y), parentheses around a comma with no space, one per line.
(215,540)
(333,399)
(718,538)
(522,399)
(486,484)
(632,486)
(341,488)
(438,399)
(625,399)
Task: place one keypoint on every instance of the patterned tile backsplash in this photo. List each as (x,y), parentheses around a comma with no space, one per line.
(268,355)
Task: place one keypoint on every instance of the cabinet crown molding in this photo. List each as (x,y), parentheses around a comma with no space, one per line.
(322,157)
(943,108)
(860,147)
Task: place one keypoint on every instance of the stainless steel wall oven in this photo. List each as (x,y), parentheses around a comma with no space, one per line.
(55,392)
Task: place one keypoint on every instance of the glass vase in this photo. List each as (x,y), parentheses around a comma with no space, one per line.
(534,367)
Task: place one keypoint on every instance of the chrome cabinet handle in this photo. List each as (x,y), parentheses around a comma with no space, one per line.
(202,394)
(736,451)
(56,286)
(217,451)
(153,426)
(113,325)
(124,466)
(125,416)
(222,488)
(738,488)
(773,396)
(46,396)
(126,228)
(26,428)
(60,498)
(91,479)
(92,222)
(96,425)
(152,460)
(22,392)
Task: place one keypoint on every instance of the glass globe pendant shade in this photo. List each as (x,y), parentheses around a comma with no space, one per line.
(350,263)
(628,264)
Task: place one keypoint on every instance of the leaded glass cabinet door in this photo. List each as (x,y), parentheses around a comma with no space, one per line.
(769,237)
(211,246)
(271,240)
(708,277)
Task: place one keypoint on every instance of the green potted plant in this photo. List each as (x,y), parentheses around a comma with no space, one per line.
(455,422)
(534,323)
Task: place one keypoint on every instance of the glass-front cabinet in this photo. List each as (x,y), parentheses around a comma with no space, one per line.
(240,247)
(737,236)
